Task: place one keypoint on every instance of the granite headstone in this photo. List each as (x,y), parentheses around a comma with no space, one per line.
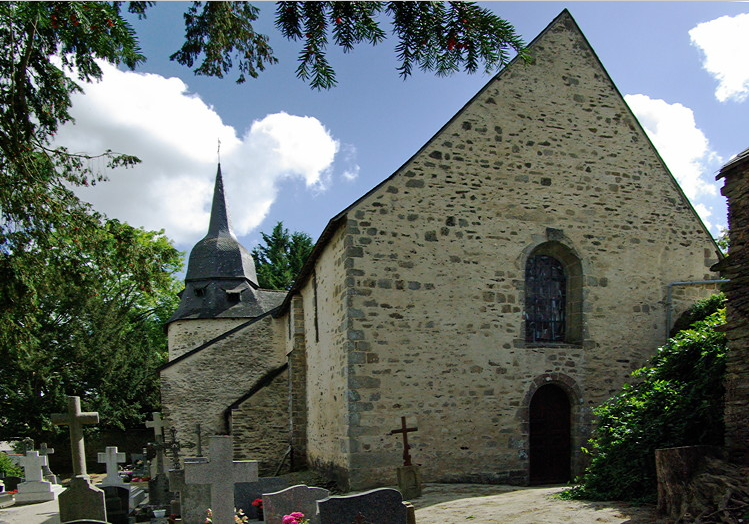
(247,492)
(378,506)
(299,498)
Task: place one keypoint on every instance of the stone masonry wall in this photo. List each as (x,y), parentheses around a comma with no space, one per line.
(200,388)
(736,267)
(260,427)
(297,387)
(327,362)
(435,261)
(186,335)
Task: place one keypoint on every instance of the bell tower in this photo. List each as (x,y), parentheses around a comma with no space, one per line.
(221,289)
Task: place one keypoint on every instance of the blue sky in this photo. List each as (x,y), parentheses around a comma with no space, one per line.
(293,154)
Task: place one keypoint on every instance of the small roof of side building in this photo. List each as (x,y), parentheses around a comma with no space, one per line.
(739,159)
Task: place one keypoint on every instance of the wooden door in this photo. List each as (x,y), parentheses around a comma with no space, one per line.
(550,442)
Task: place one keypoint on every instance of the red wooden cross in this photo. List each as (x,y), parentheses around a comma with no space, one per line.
(406,447)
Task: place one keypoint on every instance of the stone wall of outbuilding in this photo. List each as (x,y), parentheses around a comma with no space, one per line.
(736,268)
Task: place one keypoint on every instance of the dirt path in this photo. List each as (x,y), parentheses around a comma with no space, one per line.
(466,503)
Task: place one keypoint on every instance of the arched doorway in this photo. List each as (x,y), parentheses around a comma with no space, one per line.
(550,443)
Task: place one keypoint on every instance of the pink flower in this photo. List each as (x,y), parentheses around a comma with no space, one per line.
(288,519)
(297,515)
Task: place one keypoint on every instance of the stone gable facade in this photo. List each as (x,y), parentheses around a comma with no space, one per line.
(417,298)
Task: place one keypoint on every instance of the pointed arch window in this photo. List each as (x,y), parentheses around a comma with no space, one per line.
(553,295)
(546,299)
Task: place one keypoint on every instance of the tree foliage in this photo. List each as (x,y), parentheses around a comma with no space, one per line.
(82,296)
(93,330)
(676,401)
(442,37)
(279,261)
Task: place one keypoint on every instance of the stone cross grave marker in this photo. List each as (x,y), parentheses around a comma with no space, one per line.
(45,451)
(405,431)
(221,472)
(81,500)
(35,488)
(111,457)
(75,419)
(32,463)
(409,477)
(158,426)
(28,444)
(174,446)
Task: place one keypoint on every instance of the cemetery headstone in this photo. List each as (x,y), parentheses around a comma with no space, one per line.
(379,506)
(245,493)
(85,521)
(48,475)
(299,498)
(221,472)
(6,499)
(12,482)
(111,457)
(35,489)
(81,500)
(409,476)
(192,499)
(117,500)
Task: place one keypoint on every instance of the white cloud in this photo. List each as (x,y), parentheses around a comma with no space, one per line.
(725,44)
(704,213)
(681,144)
(176,134)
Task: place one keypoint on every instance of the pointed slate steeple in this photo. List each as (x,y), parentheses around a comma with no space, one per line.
(219,254)
(221,281)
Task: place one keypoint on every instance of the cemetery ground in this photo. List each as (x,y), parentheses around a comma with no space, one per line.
(453,504)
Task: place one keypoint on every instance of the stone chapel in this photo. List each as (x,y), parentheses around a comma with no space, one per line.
(494,289)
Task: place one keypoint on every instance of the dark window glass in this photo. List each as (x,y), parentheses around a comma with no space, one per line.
(545,295)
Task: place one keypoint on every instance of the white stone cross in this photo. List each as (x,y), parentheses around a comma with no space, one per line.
(111,458)
(158,426)
(75,418)
(221,472)
(32,464)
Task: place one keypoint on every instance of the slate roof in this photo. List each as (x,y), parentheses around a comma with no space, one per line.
(735,161)
(221,281)
(219,254)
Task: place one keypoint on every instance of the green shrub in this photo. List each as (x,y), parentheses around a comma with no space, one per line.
(7,468)
(676,401)
(700,310)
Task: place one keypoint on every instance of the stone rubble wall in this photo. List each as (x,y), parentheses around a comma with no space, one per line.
(200,388)
(260,427)
(327,369)
(435,261)
(736,268)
